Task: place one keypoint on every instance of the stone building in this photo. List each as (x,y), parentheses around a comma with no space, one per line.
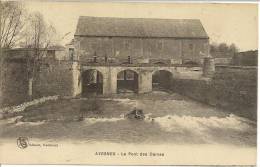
(247,58)
(140,40)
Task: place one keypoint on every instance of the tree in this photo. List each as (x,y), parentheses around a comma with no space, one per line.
(233,48)
(37,33)
(213,47)
(12,22)
(223,50)
(39,36)
(223,47)
(27,30)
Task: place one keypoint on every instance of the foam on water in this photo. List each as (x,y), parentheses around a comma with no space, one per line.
(13,119)
(126,101)
(30,123)
(16,121)
(118,99)
(96,120)
(176,123)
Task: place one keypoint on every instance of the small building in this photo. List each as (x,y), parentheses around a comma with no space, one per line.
(56,52)
(53,52)
(247,58)
(137,40)
(70,51)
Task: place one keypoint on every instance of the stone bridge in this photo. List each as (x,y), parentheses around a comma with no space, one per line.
(144,75)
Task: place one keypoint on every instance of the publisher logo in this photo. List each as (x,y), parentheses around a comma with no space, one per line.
(22,142)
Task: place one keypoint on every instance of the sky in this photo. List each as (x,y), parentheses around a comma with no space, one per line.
(229,23)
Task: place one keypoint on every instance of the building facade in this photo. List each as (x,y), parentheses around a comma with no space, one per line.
(116,40)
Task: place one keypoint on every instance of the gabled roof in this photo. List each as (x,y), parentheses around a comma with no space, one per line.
(140,27)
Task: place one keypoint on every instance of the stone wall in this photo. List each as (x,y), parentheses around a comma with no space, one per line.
(15,82)
(56,78)
(141,48)
(231,88)
(53,78)
(222,61)
(22,53)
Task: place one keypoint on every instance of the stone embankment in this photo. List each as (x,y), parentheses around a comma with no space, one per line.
(231,87)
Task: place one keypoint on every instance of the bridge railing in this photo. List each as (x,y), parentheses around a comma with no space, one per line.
(135,64)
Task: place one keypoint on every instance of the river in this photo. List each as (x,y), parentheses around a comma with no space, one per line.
(170,119)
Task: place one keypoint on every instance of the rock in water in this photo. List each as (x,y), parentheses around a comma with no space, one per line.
(135,114)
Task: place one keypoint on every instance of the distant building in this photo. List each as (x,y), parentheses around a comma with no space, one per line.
(140,40)
(247,58)
(53,52)
(70,55)
(57,52)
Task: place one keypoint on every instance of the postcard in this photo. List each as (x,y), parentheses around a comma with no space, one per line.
(128,83)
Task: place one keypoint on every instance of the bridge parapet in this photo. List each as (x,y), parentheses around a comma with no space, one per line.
(136,64)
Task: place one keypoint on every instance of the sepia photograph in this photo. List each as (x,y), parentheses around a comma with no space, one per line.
(128,83)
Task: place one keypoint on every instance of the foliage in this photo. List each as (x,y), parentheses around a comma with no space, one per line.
(223,50)
(39,36)
(38,33)
(18,28)
(12,22)
(23,29)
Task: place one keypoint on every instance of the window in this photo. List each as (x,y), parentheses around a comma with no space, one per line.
(206,48)
(94,45)
(160,45)
(95,59)
(129,59)
(51,53)
(127,44)
(191,46)
(71,53)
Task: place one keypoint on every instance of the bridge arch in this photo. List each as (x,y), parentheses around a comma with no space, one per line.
(191,63)
(169,70)
(127,81)
(162,80)
(128,69)
(160,63)
(92,82)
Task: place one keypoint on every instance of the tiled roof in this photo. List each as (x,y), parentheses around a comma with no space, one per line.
(139,27)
